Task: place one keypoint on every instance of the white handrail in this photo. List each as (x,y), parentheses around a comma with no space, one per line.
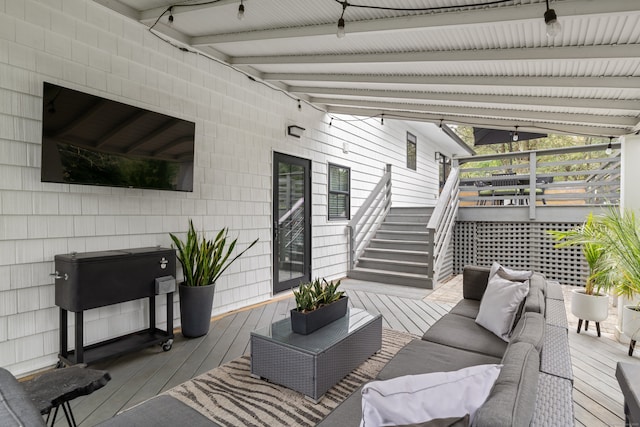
(370,215)
(441,223)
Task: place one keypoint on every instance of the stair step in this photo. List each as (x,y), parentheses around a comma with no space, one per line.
(419,218)
(393,265)
(420,236)
(413,245)
(411,210)
(402,226)
(396,254)
(393,278)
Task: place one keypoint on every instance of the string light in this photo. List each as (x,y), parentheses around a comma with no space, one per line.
(515,135)
(299,106)
(241,11)
(609,149)
(382,120)
(331,121)
(170,15)
(551,20)
(341,33)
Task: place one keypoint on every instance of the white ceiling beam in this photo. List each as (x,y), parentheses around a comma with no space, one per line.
(486,16)
(631,52)
(497,123)
(548,101)
(582,82)
(515,116)
(121,8)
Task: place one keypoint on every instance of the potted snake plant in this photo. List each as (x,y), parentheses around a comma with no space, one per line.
(318,303)
(203,262)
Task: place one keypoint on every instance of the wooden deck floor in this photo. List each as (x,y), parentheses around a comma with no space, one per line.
(137,377)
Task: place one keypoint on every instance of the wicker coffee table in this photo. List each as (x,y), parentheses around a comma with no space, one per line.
(312,364)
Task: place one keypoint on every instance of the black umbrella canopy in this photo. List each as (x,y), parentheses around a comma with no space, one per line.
(483,136)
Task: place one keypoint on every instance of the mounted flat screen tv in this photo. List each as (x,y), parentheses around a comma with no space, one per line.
(91,140)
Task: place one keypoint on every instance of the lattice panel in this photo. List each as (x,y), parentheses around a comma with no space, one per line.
(521,246)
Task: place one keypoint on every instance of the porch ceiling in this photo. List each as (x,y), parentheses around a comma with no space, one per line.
(491,66)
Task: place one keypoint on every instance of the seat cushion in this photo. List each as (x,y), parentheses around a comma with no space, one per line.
(423,357)
(531,329)
(464,333)
(513,397)
(16,409)
(162,410)
(535,302)
(467,308)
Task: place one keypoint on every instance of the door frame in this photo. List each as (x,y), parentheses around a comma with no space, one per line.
(306,275)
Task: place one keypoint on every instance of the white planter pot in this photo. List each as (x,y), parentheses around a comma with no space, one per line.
(594,308)
(631,322)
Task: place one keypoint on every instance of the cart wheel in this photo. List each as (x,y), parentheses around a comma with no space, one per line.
(166,346)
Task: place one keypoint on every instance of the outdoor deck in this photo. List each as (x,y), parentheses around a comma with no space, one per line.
(137,377)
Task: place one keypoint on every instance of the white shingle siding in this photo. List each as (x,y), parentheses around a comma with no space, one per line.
(239,123)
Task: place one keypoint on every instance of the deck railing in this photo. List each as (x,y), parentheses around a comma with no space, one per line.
(568,176)
(367,220)
(441,224)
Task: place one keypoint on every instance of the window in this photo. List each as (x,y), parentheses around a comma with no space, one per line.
(339,192)
(412,143)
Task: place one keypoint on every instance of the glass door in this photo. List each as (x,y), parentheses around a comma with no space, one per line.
(291,221)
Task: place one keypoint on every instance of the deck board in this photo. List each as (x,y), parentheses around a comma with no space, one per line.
(139,376)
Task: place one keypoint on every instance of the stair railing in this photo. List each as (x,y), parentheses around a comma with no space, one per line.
(441,223)
(367,220)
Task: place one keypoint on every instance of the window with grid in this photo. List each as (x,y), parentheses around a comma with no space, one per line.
(412,143)
(339,192)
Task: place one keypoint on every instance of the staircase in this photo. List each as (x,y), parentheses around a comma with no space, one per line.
(398,252)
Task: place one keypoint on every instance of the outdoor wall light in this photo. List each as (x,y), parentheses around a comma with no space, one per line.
(295,131)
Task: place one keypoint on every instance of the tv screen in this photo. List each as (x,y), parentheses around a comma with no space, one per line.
(91,140)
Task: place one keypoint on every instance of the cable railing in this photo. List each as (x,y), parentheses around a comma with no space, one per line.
(367,220)
(441,224)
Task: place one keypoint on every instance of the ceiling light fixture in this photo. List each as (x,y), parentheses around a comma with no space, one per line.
(551,20)
(341,33)
(609,149)
(241,11)
(515,135)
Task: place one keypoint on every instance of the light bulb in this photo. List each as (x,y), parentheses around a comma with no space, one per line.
(553,25)
(241,11)
(609,149)
(515,136)
(341,33)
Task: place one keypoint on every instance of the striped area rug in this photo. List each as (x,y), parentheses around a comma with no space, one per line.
(229,396)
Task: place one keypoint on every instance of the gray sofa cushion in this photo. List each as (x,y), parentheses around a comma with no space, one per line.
(423,357)
(511,402)
(348,413)
(554,291)
(534,303)
(474,282)
(467,308)
(463,332)
(530,329)
(16,409)
(162,410)
(539,281)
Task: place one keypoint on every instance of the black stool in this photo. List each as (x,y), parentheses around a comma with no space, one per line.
(55,389)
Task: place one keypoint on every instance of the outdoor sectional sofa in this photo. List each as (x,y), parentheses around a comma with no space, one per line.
(534,387)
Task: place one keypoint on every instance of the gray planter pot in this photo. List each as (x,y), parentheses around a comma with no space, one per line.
(305,323)
(195,309)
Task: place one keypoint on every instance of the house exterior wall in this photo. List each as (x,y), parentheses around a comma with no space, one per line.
(239,124)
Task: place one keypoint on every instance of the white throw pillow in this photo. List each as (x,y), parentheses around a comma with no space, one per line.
(500,303)
(415,399)
(507,273)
